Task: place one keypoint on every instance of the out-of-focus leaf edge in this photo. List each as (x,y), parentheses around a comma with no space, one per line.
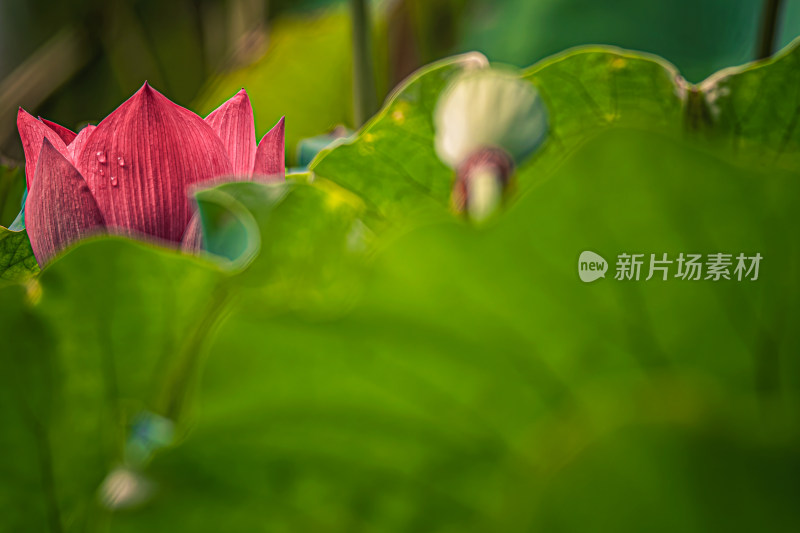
(475,59)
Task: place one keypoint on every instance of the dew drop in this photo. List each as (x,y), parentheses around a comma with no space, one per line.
(101,157)
(101,172)
(114,181)
(121,161)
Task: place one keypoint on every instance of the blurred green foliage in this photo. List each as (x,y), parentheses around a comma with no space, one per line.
(87,347)
(301,243)
(479,386)
(700,37)
(386,366)
(462,378)
(75,62)
(306,76)
(82,59)
(12,186)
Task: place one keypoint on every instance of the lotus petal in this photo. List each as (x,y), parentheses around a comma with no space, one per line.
(32,132)
(233,122)
(141,160)
(271,154)
(66,134)
(59,209)
(75,147)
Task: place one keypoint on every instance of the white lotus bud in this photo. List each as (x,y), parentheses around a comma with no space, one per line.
(489,108)
(487,121)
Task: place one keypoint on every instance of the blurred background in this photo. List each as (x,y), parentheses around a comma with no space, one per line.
(393,415)
(74,62)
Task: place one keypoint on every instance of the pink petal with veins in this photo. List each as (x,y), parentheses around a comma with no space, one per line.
(141,160)
(32,132)
(66,134)
(233,122)
(271,154)
(60,209)
(74,148)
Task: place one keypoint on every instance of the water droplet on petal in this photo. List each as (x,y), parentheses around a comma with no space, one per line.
(101,157)
(114,181)
(101,172)
(121,161)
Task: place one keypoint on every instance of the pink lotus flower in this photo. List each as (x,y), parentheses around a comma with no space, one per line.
(132,173)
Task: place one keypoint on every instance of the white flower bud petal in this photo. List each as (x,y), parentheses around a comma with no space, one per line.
(489,108)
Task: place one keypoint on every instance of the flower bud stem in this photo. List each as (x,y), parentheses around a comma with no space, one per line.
(481,183)
(485,194)
(364,98)
(184,376)
(768,31)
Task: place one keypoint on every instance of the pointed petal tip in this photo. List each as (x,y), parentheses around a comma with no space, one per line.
(46,143)
(242,94)
(147,93)
(48,150)
(278,128)
(59,209)
(147,90)
(241,97)
(271,155)
(31,133)
(66,134)
(234,124)
(149,197)
(48,147)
